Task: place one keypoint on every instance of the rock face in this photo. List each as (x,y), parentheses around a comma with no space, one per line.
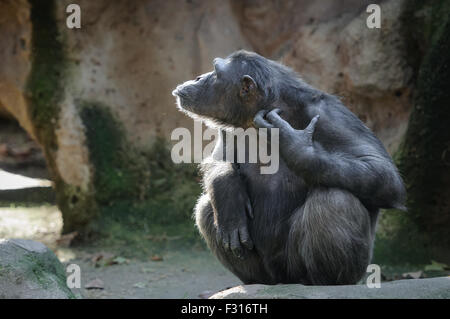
(15,50)
(130,56)
(434,288)
(28,269)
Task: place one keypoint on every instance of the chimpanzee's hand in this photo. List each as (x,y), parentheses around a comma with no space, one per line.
(292,140)
(232,229)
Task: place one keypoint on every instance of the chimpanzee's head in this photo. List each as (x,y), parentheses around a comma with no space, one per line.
(232,93)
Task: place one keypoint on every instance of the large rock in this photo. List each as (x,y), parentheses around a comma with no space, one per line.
(28,269)
(131,55)
(434,288)
(15,51)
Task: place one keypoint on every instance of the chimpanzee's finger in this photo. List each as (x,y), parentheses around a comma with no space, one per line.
(260,121)
(274,118)
(312,125)
(245,238)
(226,241)
(249,208)
(235,245)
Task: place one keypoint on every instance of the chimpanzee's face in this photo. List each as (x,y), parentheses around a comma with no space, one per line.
(224,95)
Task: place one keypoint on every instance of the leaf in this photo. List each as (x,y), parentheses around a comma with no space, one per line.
(140,285)
(159,182)
(102,259)
(147,270)
(435,266)
(413,275)
(120,260)
(95,284)
(66,239)
(156,258)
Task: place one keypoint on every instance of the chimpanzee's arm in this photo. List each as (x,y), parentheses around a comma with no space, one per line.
(230,202)
(357,167)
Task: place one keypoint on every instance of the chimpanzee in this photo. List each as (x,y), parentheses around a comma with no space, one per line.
(313,221)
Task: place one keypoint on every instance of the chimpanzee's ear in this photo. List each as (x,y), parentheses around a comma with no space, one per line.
(248,87)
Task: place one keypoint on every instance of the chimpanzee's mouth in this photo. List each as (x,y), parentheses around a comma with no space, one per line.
(176,92)
(182,99)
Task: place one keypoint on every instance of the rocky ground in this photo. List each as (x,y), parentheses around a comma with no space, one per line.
(181,274)
(433,288)
(173,273)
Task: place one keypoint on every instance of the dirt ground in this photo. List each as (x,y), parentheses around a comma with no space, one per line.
(175,273)
(181,274)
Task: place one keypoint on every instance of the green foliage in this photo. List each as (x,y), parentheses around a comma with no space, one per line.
(422,24)
(45,89)
(44,270)
(420,234)
(425,153)
(398,241)
(45,84)
(120,171)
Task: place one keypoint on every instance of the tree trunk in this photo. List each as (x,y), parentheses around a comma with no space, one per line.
(424,158)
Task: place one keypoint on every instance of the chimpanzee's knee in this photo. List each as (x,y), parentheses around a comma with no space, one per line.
(332,235)
(250,269)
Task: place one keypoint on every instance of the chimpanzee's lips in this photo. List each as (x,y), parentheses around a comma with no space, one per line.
(175,92)
(182,99)
(179,93)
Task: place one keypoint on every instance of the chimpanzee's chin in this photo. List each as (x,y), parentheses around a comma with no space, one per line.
(181,102)
(185,107)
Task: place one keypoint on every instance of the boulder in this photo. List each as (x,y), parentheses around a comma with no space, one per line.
(28,269)
(433,288)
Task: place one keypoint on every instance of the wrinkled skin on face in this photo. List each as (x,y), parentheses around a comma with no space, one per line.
(227,95)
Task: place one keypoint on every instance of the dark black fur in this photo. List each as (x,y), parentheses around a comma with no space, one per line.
(313,221)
